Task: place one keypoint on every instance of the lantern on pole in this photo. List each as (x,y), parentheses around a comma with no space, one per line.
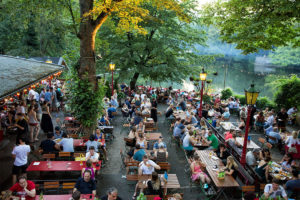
(251,96)
(112,69)
(203,75)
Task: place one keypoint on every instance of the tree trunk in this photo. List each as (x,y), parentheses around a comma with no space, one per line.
(134,80)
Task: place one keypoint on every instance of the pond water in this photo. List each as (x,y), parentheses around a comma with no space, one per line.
(238,74)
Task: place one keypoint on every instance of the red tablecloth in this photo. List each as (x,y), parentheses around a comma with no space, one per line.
(63,197)
(81,143)
(58,166)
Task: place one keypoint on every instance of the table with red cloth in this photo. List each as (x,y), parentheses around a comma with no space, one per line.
(47,166)
(64,197)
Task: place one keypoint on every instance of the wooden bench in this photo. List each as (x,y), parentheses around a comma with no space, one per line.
(49,156)
(164,166)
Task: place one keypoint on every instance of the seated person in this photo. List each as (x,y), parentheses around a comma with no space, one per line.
(111,194)
(234,144)
(140,126)
(274,190)
(274,134)
(24,188)
(161,154)
(154,185)
(86,185)
(110,111)
(242,124)
(137,119)
(58,133)
(189,142)
(262,168)
(231,167)
(141,141)
(89,166)
(76,195)
(48,145)
(92,155)
(260,121)
(133,133)
(125,110)
(159,142)
(170,111)
(67,143)
(98,136)
(139,154)
(179,129)
(92,142)
(197,173)
(212,140)
(226,114)
(292,185)
(223,153)
(146,167)
(286,162)
(228,135)
(252,157)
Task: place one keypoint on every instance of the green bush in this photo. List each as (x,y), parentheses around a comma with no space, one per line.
(206,98)
(242,98)
(226,93)
(288,92)
(263,102)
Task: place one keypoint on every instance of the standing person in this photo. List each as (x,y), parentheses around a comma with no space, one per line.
(282,118)
(111,194)
(33,124)
(24,188)
(20,154)
(46,123)
(48,97)
(22,127)
(53,100)
(154,114)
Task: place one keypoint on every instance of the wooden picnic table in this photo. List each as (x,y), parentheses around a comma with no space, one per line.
(228,125)
(201,144)
(172,182)
(152,136)
(49,166)
(209,160)
(250,145)
(229,181)
(64,197)
(81,142)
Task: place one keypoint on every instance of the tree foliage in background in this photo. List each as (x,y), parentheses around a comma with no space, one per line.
(254,25)
(164,53)
(287,92)
(285,56)
(226,93)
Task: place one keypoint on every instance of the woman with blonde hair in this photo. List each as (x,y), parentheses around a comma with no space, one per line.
(231,167)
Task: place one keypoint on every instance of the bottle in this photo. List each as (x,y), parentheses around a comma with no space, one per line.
(166,175)
(41,196)
(141,197)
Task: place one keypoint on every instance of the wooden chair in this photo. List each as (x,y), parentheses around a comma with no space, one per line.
(51,187)
(68,186)
(269,146)
(165,166)
(49,156)
(262,141)
(131,177)
(63,155)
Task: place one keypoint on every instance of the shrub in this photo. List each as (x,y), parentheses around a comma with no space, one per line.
(206,98)
(226,93)
(263,102)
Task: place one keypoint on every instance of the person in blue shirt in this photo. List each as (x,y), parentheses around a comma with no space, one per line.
(179,130)
(67,143)
(158,143)
(110,110)
(137,119)
(138,156)
(274,134)
(58,133)
(48,96)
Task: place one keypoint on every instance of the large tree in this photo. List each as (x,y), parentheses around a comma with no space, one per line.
(254,25)
(165,53)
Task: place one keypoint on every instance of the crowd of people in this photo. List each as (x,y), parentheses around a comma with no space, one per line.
(35,113)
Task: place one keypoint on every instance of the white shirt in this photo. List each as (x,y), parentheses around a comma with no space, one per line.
(20,109)
(67,144)
(290,141)
(291,111)
(143,96)
(270,120)
(250,158)
(31,95)
(147,170)
(21,152)
(279,192)
(95,156)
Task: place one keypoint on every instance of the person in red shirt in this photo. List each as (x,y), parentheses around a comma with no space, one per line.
(24,188)
(228,135)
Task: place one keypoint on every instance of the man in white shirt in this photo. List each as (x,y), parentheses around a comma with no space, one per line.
(270,120)
(31,95)
(251,157)
(92,155)
(67,143)
(274,190)
(20,154)
(146,167)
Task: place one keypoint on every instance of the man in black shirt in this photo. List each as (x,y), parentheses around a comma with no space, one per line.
(86,185)
(112,194)
(22,127)
(282,117)
(48,145)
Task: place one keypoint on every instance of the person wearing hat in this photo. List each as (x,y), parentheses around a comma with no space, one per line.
(58,133)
